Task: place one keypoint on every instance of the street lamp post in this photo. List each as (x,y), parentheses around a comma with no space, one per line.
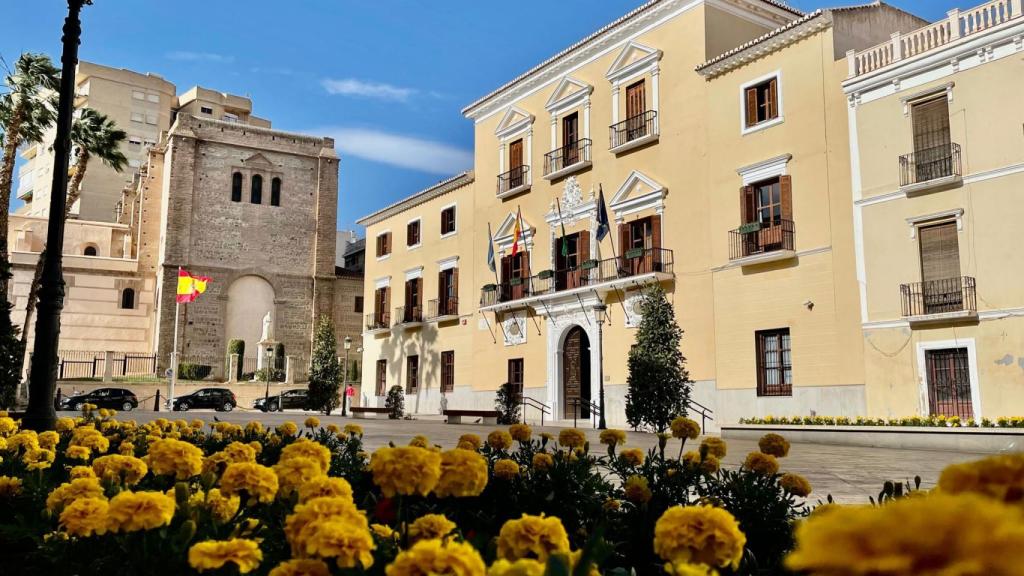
(266,373)
(599,311)
(344,380)
(40,414)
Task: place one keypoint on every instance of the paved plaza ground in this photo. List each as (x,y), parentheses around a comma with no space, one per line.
(850,474)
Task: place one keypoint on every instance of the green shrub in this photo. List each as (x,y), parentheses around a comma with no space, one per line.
(190,371)
(275,375)
(236,346)
(506,402)
(395,402)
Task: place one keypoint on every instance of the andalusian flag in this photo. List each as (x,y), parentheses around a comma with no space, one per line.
(516,232)
(189,286)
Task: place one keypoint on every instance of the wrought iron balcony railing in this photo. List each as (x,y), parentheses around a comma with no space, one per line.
(567,156)
(408,314)
(633,262)
(378,320)
(760,238)
(939,296)
(513,179)
(928,164)
(438,308)
(634,128)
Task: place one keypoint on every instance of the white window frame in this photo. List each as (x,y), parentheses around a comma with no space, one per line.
(390,252)
(456,230)
(420,242)
(765,169)
(449,263)
(972,369)
(414,273)
(509,133)
(744,129)
(580,99)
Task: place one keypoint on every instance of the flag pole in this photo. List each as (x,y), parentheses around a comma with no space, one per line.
(174,357)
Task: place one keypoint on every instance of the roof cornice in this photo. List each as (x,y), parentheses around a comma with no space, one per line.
(418,198)
(779,38)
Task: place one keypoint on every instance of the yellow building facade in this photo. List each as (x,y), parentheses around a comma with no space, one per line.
(717,134)
(938,168)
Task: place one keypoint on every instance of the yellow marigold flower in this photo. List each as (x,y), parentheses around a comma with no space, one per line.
(520,432)
(692,458)
(169,457)
(761,463)
(472,439)
(542,461)
(70,491)
(81,472)
(333,429)
(9,486)
(353,430)
(134,511)
(24,440)
(532,537)
(321,486)
(48,439)
(126,449)
(611,505)
(637,490)
(39,458)
(223,508)
(499,440)
(304,519)
(521,567)
(288,429)
(611,437)
(90,438)
(296,471)
(85,517)
(312,422)
(774,445)
(430,526)
(572,438)
(700,535)
(710,464)
(430,557)
(301,567)
(120,469)
(420,441)
(1000,477)
(463,473)
(683,427)
(214,554)
(405,470)
(795,484)
(77,453)
(506,469)
(349,543)
(64,424)
(714,446)
(687,569)
(7,425)
(257,481)
(306,448)
(939,535)
(256,446)
(632,456)
(253,427)
(383,531)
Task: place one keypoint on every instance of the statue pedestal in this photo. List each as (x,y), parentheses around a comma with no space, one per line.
(261,359)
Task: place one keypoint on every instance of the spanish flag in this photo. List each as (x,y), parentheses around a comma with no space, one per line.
(516,232)
(189,286)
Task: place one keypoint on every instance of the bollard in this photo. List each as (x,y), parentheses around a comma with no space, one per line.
(108,366)
(156,402)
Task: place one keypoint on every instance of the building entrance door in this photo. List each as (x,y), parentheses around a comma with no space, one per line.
(576,374)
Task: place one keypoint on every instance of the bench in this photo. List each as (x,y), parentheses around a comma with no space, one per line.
(367,412)
(489,417)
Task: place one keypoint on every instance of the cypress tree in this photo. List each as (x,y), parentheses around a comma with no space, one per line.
(324,370)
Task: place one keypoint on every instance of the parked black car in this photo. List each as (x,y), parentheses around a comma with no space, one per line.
(116,398)
(220,399)
(298,398)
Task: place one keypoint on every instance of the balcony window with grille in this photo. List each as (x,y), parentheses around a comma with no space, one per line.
(641,246)
(412,374)
(774,366)
(935,156)
(761,102)
(448,292)
(571,251)
(767,218)
(447,371)
(413,303)
(949,382)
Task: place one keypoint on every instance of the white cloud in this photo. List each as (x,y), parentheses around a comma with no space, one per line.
(400,150)
(376,90)
(187,56)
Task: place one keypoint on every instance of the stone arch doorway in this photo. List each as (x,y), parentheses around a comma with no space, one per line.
(249,299)
(576,374)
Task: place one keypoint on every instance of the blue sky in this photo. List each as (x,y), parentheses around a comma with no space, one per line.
(386,78)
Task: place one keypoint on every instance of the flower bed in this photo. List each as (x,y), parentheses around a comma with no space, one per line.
(103,496)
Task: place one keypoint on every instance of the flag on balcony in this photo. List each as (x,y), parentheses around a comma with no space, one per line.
(490,249)
(603,226)
(565,241)
(189,286)
(516,231)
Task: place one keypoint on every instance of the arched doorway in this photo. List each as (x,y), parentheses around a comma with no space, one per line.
(576,374)
(249,300)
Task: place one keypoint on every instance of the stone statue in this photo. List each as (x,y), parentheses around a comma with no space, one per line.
(266,328)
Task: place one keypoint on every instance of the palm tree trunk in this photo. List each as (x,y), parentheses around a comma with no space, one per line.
(12,136)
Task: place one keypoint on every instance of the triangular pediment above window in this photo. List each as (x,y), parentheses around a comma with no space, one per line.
(638,192)
(633,58)
(569,91)
(515,119)
(258,160)
(503,235)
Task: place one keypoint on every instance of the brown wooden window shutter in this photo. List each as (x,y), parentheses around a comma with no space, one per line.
(419,292)
(786,195)
(656,231)
(940,252)
(455,283)
(751,106)
(773,98)
(748,205)
(583,249)
(442,295)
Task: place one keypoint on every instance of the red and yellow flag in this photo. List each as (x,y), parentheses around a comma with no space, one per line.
(189,286)
(516,232)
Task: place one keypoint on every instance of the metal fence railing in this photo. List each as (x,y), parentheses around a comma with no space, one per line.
(633,128)
(933,163)
(761,237)
(939,296)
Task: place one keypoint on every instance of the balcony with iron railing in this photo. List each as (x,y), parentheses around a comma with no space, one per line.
(945,300)
(957,25)
(408,316)
(378,321)
(633,132)
(439,310)
(929,168)
(652,264)
(567,159)
(514,181)
(760,242)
